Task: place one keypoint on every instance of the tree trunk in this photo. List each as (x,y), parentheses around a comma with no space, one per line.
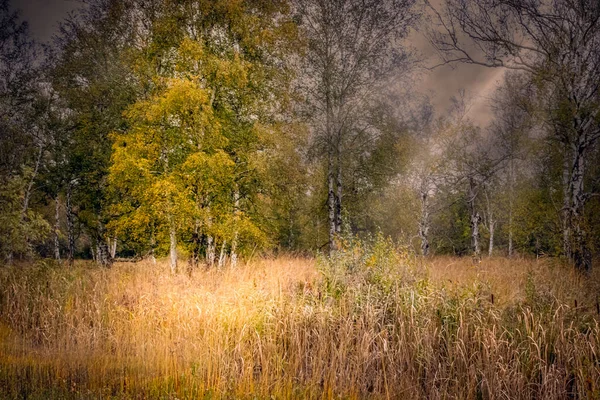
(329,127)
(491,223)
(210,251)
(234,255)
(113,247)
(475,220)
(575,241)
(338,197)
(492,228)
(210,242)
(103,252)
(566,210)
(70,225)
(196,242)
(510,207)
(26,198)
(56,229)
(580,252)
(221,261)
(424,224)
(152,245)
(331,204)
(236,213)
(29,188)
(173,247)
(510,241)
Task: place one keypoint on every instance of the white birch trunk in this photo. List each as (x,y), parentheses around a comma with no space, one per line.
(491,223)
(113,247)
(236,204)
(475,220)
(221,261)
(103,257)
(234,256)
(492,228)
(210,242)
(210,251)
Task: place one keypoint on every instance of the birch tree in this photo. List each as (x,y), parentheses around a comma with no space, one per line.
(353,47)
(558,43)
(469,166)
(512,131)
(213,71)
(90,72)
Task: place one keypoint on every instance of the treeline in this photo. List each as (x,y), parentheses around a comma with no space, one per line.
(221,129)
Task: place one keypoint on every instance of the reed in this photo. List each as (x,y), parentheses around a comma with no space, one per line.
(372,322)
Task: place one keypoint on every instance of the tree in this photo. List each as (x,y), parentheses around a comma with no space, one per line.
(352,48)
(469,165)
(23,137)
(558,44)
(91,73)
(511,134)
(215,74)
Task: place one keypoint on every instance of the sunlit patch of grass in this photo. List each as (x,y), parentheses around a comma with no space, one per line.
(374,321)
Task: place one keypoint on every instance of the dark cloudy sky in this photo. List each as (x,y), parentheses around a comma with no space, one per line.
(43,15)
(444,82)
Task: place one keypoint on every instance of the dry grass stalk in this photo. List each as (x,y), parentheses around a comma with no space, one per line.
(368,324)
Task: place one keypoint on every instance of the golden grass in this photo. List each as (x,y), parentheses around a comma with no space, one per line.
(289,328)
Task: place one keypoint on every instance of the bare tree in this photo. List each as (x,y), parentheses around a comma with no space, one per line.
(558,42)
(353,47)
(470,166)
(512,130)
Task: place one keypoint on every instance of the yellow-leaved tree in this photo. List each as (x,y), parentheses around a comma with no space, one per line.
(187,171)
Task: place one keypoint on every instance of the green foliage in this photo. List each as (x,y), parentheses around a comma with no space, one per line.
(369,264)
(19,231)
(190,157)
(189,115)
(451,228)
(536,223)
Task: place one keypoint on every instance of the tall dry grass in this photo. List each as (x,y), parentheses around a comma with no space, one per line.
(373,322)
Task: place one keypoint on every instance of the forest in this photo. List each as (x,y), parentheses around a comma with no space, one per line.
(261,199)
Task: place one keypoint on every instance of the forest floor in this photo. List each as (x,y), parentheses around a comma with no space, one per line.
(363,325)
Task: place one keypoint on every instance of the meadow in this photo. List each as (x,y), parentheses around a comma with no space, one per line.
(373,321)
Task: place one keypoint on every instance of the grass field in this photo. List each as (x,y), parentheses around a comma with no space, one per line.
(373,322)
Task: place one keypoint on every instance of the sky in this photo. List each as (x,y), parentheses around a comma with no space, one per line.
(43,15)
(442,83)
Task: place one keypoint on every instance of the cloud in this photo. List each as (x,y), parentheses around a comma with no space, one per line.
(446,81)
